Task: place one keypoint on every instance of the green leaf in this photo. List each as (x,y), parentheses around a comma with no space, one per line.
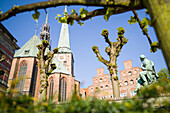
(154,46)
(81,23)
(121,30)
(36,15)
(83,12)
(153,49)
(62,20)
(71,22)
(109,12)
(132,20)
(83,15)
(56,18)
(58,15)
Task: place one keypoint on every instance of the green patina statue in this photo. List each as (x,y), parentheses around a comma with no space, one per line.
(148,74)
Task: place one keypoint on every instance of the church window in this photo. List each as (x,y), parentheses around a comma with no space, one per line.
(126,83)
(26,52)
(130,73)
(34,79)
(22,73)
(100,79)
(131,82)
(51,89)
(63,89)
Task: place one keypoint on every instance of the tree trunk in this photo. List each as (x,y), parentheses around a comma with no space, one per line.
(115,87)
(159,11)
(115,84)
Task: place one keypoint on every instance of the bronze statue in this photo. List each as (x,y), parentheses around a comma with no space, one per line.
(148,74)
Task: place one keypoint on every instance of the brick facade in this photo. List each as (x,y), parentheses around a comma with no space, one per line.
(128,81)
(102,87)
(7,46)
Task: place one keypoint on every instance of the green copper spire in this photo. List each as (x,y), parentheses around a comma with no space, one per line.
(64,42)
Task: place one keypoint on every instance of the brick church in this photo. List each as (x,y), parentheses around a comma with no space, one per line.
(62,81)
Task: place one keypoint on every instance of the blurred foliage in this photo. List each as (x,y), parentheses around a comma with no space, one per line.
(164,73)
(151,99)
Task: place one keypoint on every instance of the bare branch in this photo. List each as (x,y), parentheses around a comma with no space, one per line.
(125,4)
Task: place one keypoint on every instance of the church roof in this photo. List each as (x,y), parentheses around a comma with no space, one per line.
(60,68)
(29,49)
(64,42)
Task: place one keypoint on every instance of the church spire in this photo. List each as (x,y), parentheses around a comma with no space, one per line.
(36,27)
(46,21)
(45,31)
(64,42)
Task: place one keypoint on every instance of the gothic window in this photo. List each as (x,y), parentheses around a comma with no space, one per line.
(33,81)
(51,89)
(130,73)
(131,82)
(126,83)
(22,73)
(63,89)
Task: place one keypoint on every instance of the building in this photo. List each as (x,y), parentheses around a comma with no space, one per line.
(128,81)
(102,87)
(7,47)
(62,81)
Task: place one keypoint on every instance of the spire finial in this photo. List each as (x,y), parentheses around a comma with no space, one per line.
(36,27)
(46,21)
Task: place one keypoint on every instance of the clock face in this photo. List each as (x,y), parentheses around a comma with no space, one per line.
(61,57)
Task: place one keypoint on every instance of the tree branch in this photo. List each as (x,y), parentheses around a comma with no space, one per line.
(126,4)
(143,29)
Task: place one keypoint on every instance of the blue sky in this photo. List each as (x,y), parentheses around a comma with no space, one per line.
(22,27)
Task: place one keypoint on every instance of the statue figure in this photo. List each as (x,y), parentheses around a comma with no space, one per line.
(148,74)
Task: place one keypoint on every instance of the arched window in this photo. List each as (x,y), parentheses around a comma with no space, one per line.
(21,75)
(33,80)
(106,87)
(101,88)
(100,79)
(51,89)
(130,73)
(63,90)
(131,82)
(126,83)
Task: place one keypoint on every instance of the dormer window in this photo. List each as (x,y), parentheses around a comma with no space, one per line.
(26,52)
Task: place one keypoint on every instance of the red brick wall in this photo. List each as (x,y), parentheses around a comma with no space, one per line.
(130,73)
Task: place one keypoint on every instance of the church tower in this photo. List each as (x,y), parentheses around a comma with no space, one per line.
(45,32)
(65,55)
